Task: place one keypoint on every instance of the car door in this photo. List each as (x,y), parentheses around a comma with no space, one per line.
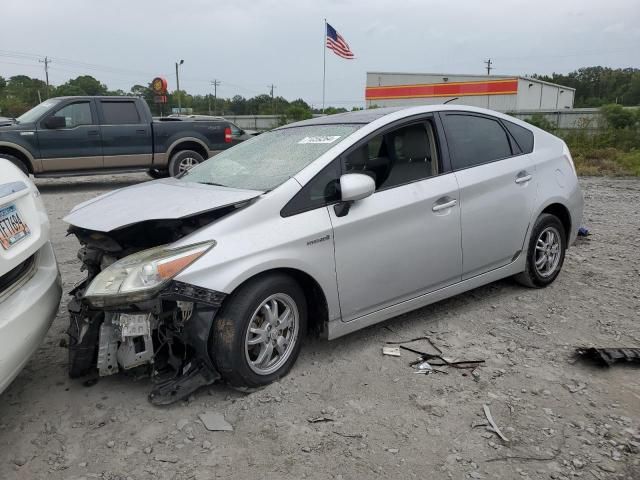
(126,134)
(497,195)
(74,146)
(404,240)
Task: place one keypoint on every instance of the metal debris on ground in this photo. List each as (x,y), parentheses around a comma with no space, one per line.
(392,351)
(215,422)
(609,356)
(494,427)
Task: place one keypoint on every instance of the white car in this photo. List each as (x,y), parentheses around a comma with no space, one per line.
(30,286)
(334,224)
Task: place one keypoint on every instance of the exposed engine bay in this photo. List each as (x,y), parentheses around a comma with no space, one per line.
(166,337)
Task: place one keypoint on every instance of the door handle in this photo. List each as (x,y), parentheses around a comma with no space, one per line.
(523,178)
(443,206)
(92,132)
(142,131)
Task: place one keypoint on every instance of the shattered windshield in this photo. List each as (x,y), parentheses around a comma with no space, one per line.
(266,161)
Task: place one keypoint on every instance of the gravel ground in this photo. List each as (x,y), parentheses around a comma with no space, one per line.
(562,419)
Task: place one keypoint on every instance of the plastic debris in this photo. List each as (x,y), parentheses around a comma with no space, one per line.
(609,356)
(319,419)
(494,427)
(425,366)
(583,232)
(215,422)
(392,351)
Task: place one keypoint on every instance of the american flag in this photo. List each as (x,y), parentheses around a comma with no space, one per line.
(336,43)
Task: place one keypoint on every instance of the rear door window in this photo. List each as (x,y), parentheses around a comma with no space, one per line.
(119,113)
(474,140)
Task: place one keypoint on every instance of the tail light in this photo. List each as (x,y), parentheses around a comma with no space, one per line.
(227,135)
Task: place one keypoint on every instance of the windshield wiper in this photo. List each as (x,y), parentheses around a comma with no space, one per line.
(214,184)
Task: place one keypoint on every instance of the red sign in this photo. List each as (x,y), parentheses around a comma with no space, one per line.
(506,86)
(159,86)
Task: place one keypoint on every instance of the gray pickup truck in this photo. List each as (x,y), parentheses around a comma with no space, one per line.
(67,136)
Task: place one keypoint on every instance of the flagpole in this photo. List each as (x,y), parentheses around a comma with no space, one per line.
(324,60)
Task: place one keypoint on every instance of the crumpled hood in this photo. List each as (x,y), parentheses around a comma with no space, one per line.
(156,200)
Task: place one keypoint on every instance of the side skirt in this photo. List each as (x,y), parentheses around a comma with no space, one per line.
(338,328)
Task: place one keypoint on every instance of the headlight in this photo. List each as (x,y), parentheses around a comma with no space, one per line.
(139,276)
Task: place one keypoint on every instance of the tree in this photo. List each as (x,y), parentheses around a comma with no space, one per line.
(89,85)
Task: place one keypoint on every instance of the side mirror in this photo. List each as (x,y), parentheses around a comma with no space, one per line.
(353,187)
(356,186)
(55,122)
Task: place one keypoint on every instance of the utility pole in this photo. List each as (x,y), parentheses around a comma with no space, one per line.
(215,84)
(273,102)
(178,87)
(46,62)
(489,67)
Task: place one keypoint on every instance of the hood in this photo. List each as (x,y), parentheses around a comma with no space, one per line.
(11,126)
(156,200)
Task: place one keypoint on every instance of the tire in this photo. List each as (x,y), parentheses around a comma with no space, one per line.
(536,276)
(16,161)
(182,161)
(239,362)
(156,173)
(83,354)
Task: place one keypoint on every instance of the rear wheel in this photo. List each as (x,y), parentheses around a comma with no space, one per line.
(183,161)
(258,333)
(16,161)
(545,254)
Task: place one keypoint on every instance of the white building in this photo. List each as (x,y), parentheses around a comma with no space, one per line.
(497,92)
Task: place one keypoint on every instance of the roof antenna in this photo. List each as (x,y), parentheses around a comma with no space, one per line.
(451,100)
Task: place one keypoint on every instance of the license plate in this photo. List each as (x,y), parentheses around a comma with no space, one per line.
(12,228)
(134,325)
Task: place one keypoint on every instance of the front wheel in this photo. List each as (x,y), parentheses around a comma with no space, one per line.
(258,333)
(545,254)
(183,161)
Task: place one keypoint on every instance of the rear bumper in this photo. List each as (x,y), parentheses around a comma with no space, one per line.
(26,315)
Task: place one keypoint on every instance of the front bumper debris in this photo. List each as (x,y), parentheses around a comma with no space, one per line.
(166,338)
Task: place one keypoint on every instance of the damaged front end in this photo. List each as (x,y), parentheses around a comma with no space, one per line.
(130,314)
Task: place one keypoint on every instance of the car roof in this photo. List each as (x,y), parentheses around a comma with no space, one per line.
(371,115)
(358,116)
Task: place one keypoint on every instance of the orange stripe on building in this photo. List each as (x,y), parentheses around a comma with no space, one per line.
(507,86)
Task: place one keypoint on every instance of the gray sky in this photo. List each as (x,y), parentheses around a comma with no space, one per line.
(248,45)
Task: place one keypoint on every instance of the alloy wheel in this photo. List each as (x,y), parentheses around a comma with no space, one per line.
(548,252)
(272,334)
(187,163)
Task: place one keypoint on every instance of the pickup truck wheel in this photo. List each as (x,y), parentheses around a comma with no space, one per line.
(258,333)
(183,161)
(156,173)
(16,161)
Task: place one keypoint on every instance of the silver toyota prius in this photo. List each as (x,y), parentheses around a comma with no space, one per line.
(327,225)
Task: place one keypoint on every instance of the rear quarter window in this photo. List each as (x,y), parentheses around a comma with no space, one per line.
(523,136)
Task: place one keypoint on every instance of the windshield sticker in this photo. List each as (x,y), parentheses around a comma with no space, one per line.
(320,139)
